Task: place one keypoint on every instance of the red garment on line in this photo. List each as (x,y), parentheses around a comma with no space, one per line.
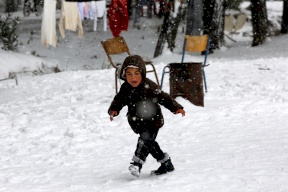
(118,17)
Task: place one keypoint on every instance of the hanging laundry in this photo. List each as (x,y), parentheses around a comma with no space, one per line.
(48,26)
(100,7)
(81,7)
(87,11)
(80,0)
(99,10)
(70,19)
(118,16)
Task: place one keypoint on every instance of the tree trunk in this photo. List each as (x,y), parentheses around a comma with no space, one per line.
(169,29)
(217,24)
(174,25)
(194,14)
(19,4)
(259,21)
(163,35)
(284,25)
(208,11)
(11,6)
(209,26)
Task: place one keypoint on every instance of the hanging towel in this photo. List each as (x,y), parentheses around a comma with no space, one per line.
(70,19)
(48,27)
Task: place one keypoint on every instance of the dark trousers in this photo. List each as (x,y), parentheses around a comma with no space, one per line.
(147,145)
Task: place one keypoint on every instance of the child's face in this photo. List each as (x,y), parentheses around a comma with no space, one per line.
(133,76)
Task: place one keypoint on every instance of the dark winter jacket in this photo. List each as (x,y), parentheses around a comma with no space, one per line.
(143,101)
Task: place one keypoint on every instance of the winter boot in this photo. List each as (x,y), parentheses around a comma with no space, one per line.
(165,167)
(135,168)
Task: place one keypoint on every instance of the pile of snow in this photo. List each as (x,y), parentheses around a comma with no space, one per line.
(12,62)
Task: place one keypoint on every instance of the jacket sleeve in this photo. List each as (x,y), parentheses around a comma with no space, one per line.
(164,98)
(118,102)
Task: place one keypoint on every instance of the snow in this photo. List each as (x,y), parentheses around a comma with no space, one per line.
(56,134)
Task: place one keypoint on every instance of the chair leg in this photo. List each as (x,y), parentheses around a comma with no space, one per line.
(153,70)
(204,79)
(116,83)
(184,49)
(163,73)
(155,74)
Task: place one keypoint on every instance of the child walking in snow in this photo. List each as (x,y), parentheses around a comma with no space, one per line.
(143,96)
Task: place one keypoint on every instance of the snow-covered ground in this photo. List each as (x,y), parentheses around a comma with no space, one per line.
(56,134)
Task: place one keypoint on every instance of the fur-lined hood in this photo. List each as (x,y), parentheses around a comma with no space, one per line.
(133,61)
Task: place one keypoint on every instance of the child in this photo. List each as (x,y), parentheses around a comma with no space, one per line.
(143,96)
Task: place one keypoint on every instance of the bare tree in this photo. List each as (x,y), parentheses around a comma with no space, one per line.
(11,6)
(169,28)
(209,26)
(208,11)
(19,3)
(217,39)
(259,21)
(284,25)
(213,21)
(163,37)
(194,23)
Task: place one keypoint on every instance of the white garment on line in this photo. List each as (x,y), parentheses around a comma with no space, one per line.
(48,27)
(87,10)
(99,10)
(70,18)
(81,7)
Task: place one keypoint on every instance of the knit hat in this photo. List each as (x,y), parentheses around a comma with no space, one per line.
(124,70)
(134,61)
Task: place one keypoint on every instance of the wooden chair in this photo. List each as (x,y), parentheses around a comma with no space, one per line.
(197,44)
(194,44)
(116,46)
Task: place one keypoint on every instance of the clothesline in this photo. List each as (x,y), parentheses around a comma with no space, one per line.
(71,18)
(79,1)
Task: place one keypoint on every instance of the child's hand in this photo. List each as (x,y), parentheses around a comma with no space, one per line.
(180,111)
(112,114)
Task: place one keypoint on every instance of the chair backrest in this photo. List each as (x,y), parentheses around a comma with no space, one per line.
(196,43)
(114,46)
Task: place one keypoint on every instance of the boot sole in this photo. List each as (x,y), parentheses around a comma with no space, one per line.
(134,171)
(155,173)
